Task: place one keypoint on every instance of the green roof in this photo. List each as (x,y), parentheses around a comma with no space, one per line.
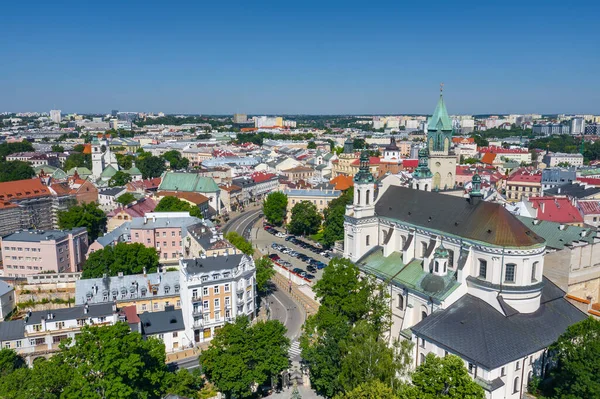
(554,236)
(81,171)
(54,172)
(440,119)
(109,171)
(189,182)
(133,171)
(588,172)
(393,270)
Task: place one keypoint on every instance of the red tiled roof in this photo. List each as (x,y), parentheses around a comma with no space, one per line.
(137,209)
(61,188)
(502,150)
(342,182)
(553,209)
(195,198)
(410,163)
(372,161)
(23,189)
(130,313)
(488,158)
(147,184)
(592,181)
(260,177)
(589,207)
(463,140)
(523,176)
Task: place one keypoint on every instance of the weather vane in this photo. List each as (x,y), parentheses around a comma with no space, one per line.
(441,87)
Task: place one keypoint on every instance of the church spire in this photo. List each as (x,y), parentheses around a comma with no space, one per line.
(440,119)
(364,172)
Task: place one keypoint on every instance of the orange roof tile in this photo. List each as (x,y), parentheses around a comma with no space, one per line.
(488,158)
(342,182)
(23,189)
(195,198)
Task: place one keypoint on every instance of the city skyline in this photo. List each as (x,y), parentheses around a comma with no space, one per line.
(334,58)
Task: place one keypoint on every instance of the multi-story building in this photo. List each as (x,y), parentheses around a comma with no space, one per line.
(577,125)
(193,183)
(461,273)
(553,177)
(215,290)
(256,186)
(36,251)
(298,173)
(7,299)
(204,239)
(560,158)
(148,292)
(107,198)
(35,159)
(240,118)
(523,183)
(55,115)
(124,214)
(320,198)
(519,155)
(550,129)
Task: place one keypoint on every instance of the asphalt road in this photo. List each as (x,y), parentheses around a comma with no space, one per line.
(243,223)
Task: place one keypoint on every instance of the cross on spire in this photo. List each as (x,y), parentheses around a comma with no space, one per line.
(441,87)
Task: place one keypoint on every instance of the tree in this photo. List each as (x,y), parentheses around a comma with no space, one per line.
(174,204)
(15,170)
(275,208)
(311,145)
(125,161)
(78,160)
(10,361)
(333,229)
(264,273)
(240,242)
(369,390)
(126,258)
(58,148)
(11,148)
(577,354)
(78,148)
(125,199)
(176,160)
(119,179)
(352,310)
(86,215)
(480,141)
(242,355)
(470,161)
(444,377)
(305,219)
(151,166)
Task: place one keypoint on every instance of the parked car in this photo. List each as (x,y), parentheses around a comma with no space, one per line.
(280,235)
(321,265)
(309,276)
(289,238)
(298,270)
(274,257)
(311,268)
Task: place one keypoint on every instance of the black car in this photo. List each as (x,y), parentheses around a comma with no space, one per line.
(311,268)
(309,276)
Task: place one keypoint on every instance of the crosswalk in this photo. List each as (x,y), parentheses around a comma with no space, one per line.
(294,351)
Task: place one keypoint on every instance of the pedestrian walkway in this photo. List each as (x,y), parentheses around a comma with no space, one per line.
(294,351)
(305,393)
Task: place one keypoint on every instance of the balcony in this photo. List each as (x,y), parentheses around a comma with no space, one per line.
(199,323)
(240,289)
(196,299)
(197,311)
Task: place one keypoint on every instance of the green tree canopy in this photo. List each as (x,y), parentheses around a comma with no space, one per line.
(102,362)
(305,219)
(11,148)
(577,354)
(125,199)
(176,160)
(15,170)
(369,390)
(311,145)
(78,148)
(344,343)
(241,355)
(275,208)
(125,161)
(78,160)
(119,179)
(126,258)
(58,148)
(444,377)
(333,225)
(10,361)
(264,273)
(86,215)
(151,166)
(174,204)
(240,242)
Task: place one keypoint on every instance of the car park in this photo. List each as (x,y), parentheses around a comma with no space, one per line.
(297,270)
(311,269)
(309,276)
(274,257)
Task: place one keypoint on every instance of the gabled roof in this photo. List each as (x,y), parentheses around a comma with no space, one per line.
(342,182)
(109,171)
(191,182)
(488,158)
(481,221)
(195,198)
(23,189)
(556,209)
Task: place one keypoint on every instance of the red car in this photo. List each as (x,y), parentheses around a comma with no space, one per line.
(274,257)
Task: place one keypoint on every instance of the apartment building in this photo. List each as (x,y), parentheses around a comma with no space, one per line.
(215,290)
(37,251)
(320,198)
(560,158)
(523,183)
(256,186)
(147,292)
(7,299)
(298,173)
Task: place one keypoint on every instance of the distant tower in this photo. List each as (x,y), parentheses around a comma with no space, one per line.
(475,196)
(97,158)
(391,153)
(439,140)
(422,177)
(349,146)
(55,115)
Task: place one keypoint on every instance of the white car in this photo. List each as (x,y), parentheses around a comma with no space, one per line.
(280,235)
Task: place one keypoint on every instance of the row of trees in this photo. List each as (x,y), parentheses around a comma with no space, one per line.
(264,266)
(103,362)
(347,348)
(126,258)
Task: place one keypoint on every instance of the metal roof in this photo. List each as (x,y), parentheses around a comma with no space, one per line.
(169,320)
(42,235)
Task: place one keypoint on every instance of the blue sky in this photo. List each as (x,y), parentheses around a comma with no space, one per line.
(285,57)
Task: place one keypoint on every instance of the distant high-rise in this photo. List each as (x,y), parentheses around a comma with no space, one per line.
(577,125)
(55,115)
(114,112)
(240,118)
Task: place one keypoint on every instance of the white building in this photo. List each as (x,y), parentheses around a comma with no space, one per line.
(55,115)
(465,278)
(214,291)
(102,157)
(7,299)
(577,125)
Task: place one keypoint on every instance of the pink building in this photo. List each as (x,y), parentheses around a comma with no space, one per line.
(36,251)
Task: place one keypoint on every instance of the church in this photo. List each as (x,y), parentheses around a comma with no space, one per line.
(442,161)
(464,275)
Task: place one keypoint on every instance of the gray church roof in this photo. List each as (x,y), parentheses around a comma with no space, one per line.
(479,333)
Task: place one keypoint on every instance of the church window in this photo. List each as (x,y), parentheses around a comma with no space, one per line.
(423,249)
(358,197)
(400,301)
(534,272)
(471,368)
(518,365)
(482,269)
(423,315)
(509,274)
(403,241)
(450,258)
(367,239)
(368,196)
(516,386)
(437,266)
(502,372)
(422,342)
(422,358)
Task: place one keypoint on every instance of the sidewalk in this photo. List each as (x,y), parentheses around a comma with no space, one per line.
(184,354)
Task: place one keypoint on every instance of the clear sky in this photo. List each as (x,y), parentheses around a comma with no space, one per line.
(285,56)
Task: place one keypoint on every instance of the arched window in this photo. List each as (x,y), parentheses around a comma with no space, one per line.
(423,315)
(400,301)
(367,239)
(450,258)
(427,187)
(403,241)
(368,196)
(444,268)
(437,266)
(417,186)
(358,197)
(516,385)
(534,272)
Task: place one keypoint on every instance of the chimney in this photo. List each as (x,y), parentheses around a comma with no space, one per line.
(114,307)
(86,309)
(542,207)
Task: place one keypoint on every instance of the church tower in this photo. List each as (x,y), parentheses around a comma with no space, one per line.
(360,225)
(442,162)
(422,177)
(97,158)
